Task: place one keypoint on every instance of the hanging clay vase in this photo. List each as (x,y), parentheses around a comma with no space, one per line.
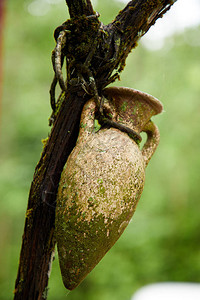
(102,181)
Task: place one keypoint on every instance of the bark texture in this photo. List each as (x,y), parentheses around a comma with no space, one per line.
(112,45)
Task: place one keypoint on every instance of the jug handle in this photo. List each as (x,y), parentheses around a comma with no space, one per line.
(86,126)
(153,138)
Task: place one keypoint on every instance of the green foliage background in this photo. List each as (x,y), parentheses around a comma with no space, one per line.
(162,241)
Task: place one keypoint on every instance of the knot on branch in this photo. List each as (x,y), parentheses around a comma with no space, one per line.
(89,52)
(76,42)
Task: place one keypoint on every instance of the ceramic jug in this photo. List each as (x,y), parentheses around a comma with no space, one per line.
(102,180)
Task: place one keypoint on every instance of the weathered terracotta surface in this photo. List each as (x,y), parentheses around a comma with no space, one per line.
(100,186)
(131,107)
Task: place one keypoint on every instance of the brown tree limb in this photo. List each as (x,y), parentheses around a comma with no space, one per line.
(79,8)
(114,43)
(125,31)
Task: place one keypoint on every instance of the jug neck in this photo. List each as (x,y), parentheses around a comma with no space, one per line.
(130,107)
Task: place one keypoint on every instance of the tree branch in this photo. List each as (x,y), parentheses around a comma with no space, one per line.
(113,44)
(79,8)
(123,34)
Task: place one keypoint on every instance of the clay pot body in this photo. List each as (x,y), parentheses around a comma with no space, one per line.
(100,186)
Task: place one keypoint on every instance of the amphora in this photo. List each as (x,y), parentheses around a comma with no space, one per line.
(102,180)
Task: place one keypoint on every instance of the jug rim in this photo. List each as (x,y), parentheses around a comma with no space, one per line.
(130,92)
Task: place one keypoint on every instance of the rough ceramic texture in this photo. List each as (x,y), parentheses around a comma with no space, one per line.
(131,107)
(100,186)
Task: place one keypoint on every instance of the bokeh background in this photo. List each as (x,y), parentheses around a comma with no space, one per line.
(162,241)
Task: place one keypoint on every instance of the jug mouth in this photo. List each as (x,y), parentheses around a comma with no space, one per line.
(130,94)
(130,108)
